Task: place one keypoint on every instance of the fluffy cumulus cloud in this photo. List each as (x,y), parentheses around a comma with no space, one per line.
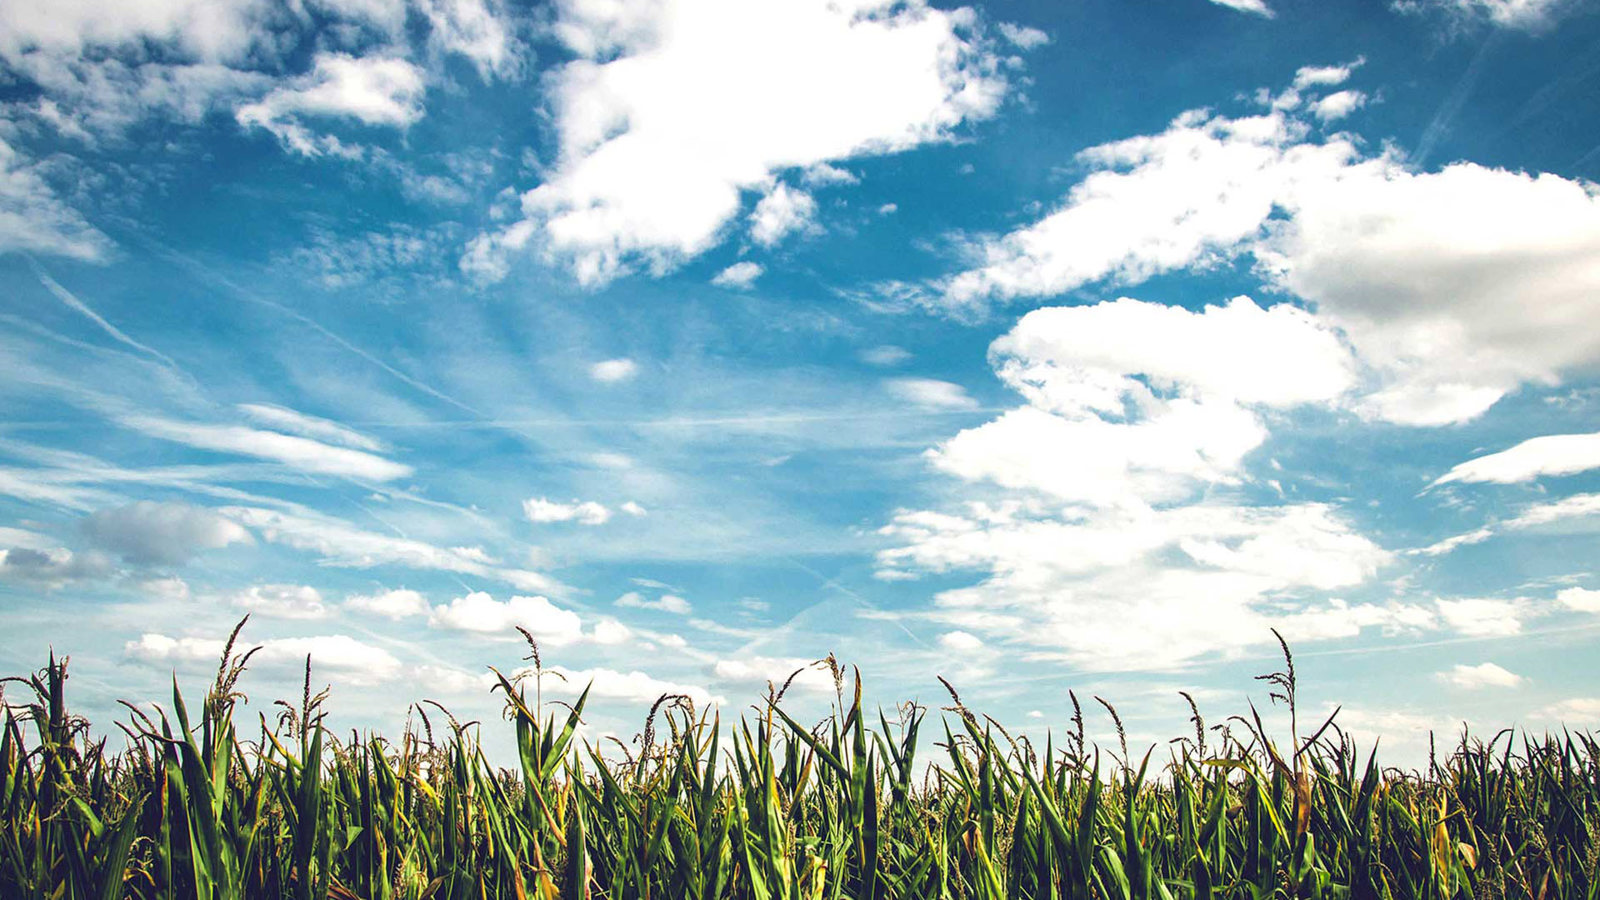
(634,687)
(740,275)
(1133,402)
(397,604)
(658,146)
(1454,286)
(479,30)
(341,656)
(55,567)
(161,534)
(1579,599)
(1578,711)
(100,71)
(480,613)
(282,601)
(1134,412)
(756,672)
(780,213)
(210,30)
(1155,589)
(374,91)
(1479,676)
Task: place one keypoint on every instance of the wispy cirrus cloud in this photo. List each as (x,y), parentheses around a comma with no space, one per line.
(297,452)
(35,219)
(338,543)
(1551,454)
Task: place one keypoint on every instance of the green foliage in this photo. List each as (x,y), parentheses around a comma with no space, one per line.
(770,808)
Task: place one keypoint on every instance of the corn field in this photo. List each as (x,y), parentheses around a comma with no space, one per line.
(201,806)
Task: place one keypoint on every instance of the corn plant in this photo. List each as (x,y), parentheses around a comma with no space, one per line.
(769,807)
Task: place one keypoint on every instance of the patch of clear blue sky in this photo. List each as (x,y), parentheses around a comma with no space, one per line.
(766,451)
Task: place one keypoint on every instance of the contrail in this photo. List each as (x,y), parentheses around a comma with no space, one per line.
(205,272)
(73,303)
(1439,126)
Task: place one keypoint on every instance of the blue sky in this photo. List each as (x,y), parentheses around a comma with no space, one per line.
(1040,346)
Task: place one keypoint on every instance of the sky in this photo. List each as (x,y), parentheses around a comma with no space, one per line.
(1045,347)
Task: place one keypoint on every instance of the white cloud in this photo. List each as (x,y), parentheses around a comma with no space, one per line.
(1454,287)
(739,275)
(55,567)
(1338,105)
(609,632)
(450,680)
(1523,14)
(1104,549)
(1579,599)
(633,686)
(345,657)
(657,142)
(208,29)
(395,604)
(822,175)
(1258,7)
(339,543)
(1480,676)
(169,589)
(24,539)
(1119,590)
(885,356)
(1133,402)
(375,91)
(475,29)
(34,219)
(669,603)
(1323,76)
(1552,454)
(1573,507)
(757,671)
(633,509)
(960,642)
(295,452)
(586,512)
(930,393)
(163,534)
(480,613)
(282,601)
(283,419)
(1483,616)
(1577,506)
(780,213)
(1579,711)
(1023,36)
(611,371)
